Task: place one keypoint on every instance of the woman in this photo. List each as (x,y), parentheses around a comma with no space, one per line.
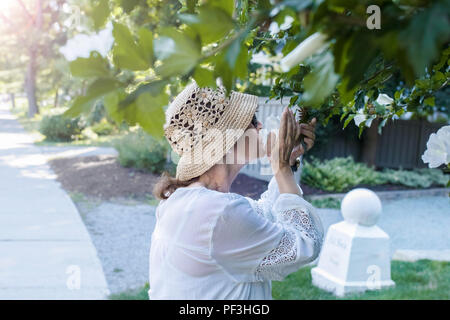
(212,244)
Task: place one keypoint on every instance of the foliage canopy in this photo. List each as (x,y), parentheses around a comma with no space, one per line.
(159,45)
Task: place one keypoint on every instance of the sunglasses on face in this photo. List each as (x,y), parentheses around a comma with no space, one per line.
(254,121)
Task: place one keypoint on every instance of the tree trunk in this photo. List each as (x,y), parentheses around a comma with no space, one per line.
(30,80)
(30,85)
(369,147)
(12,97)
(55,104)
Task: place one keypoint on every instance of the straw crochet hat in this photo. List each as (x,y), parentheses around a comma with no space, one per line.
(203,124)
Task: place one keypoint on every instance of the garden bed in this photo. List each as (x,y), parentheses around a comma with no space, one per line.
(104,178)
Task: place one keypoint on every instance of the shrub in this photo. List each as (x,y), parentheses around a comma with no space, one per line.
(342,174)
(338,174)
(329,202)
(417,178)
(103,128)
(97,114)
(59,128)
(140,150)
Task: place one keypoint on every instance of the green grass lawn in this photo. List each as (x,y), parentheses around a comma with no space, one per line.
(423,279)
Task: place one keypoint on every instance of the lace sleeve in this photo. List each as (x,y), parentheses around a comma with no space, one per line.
(264,205)
(300,244)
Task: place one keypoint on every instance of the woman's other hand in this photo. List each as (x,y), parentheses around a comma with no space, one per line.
(307,131)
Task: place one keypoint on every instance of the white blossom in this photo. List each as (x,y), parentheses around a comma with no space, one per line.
(384,99)
(438,148)
(82,45)
(359,118)
(274,28)
(287,23)
(261,58)
(308,47)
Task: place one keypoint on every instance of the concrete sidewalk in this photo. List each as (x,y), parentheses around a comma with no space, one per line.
(45,249)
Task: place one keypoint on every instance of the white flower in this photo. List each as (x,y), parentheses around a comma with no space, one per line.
(304,50)
(438,148)
(274,28)
(359,118)
(287,23)
(261,58)
(384,99)
(82,45)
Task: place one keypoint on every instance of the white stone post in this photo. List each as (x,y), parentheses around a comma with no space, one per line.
(355,255)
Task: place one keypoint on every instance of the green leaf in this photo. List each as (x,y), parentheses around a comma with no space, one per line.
(100,13)
(345,95)
(128,5)
(321,81)
(177,51)
(154,88)
(96,91)
(190,5)
(379,108)
(119,114)
(94,66)
(427,31)
(204,77)
(347,121)
(356,64)
(127,54)
(226,5)
(238,58)
(211,23)
(429,101)
(146,110)
(232,63)
(223,71)
(150,114)
(146,44)
(362,125)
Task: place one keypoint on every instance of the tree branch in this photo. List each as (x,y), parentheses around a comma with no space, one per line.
(8,21)
(25,10)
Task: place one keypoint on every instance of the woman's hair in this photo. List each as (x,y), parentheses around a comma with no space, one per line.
(167,185)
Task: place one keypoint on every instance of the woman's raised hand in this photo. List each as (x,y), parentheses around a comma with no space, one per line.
(279,149)
(288,143)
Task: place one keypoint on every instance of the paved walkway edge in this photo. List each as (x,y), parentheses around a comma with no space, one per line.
(46,252)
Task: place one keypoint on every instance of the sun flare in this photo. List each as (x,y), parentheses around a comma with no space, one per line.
(5,5)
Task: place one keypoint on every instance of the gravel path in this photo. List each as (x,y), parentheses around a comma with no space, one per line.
(412,223)
(121,233)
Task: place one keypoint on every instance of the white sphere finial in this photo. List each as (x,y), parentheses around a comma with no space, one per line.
(361,206)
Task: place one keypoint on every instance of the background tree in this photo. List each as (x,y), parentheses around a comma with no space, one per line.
(31,32)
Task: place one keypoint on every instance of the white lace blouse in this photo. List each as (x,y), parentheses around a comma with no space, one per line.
(212,245)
